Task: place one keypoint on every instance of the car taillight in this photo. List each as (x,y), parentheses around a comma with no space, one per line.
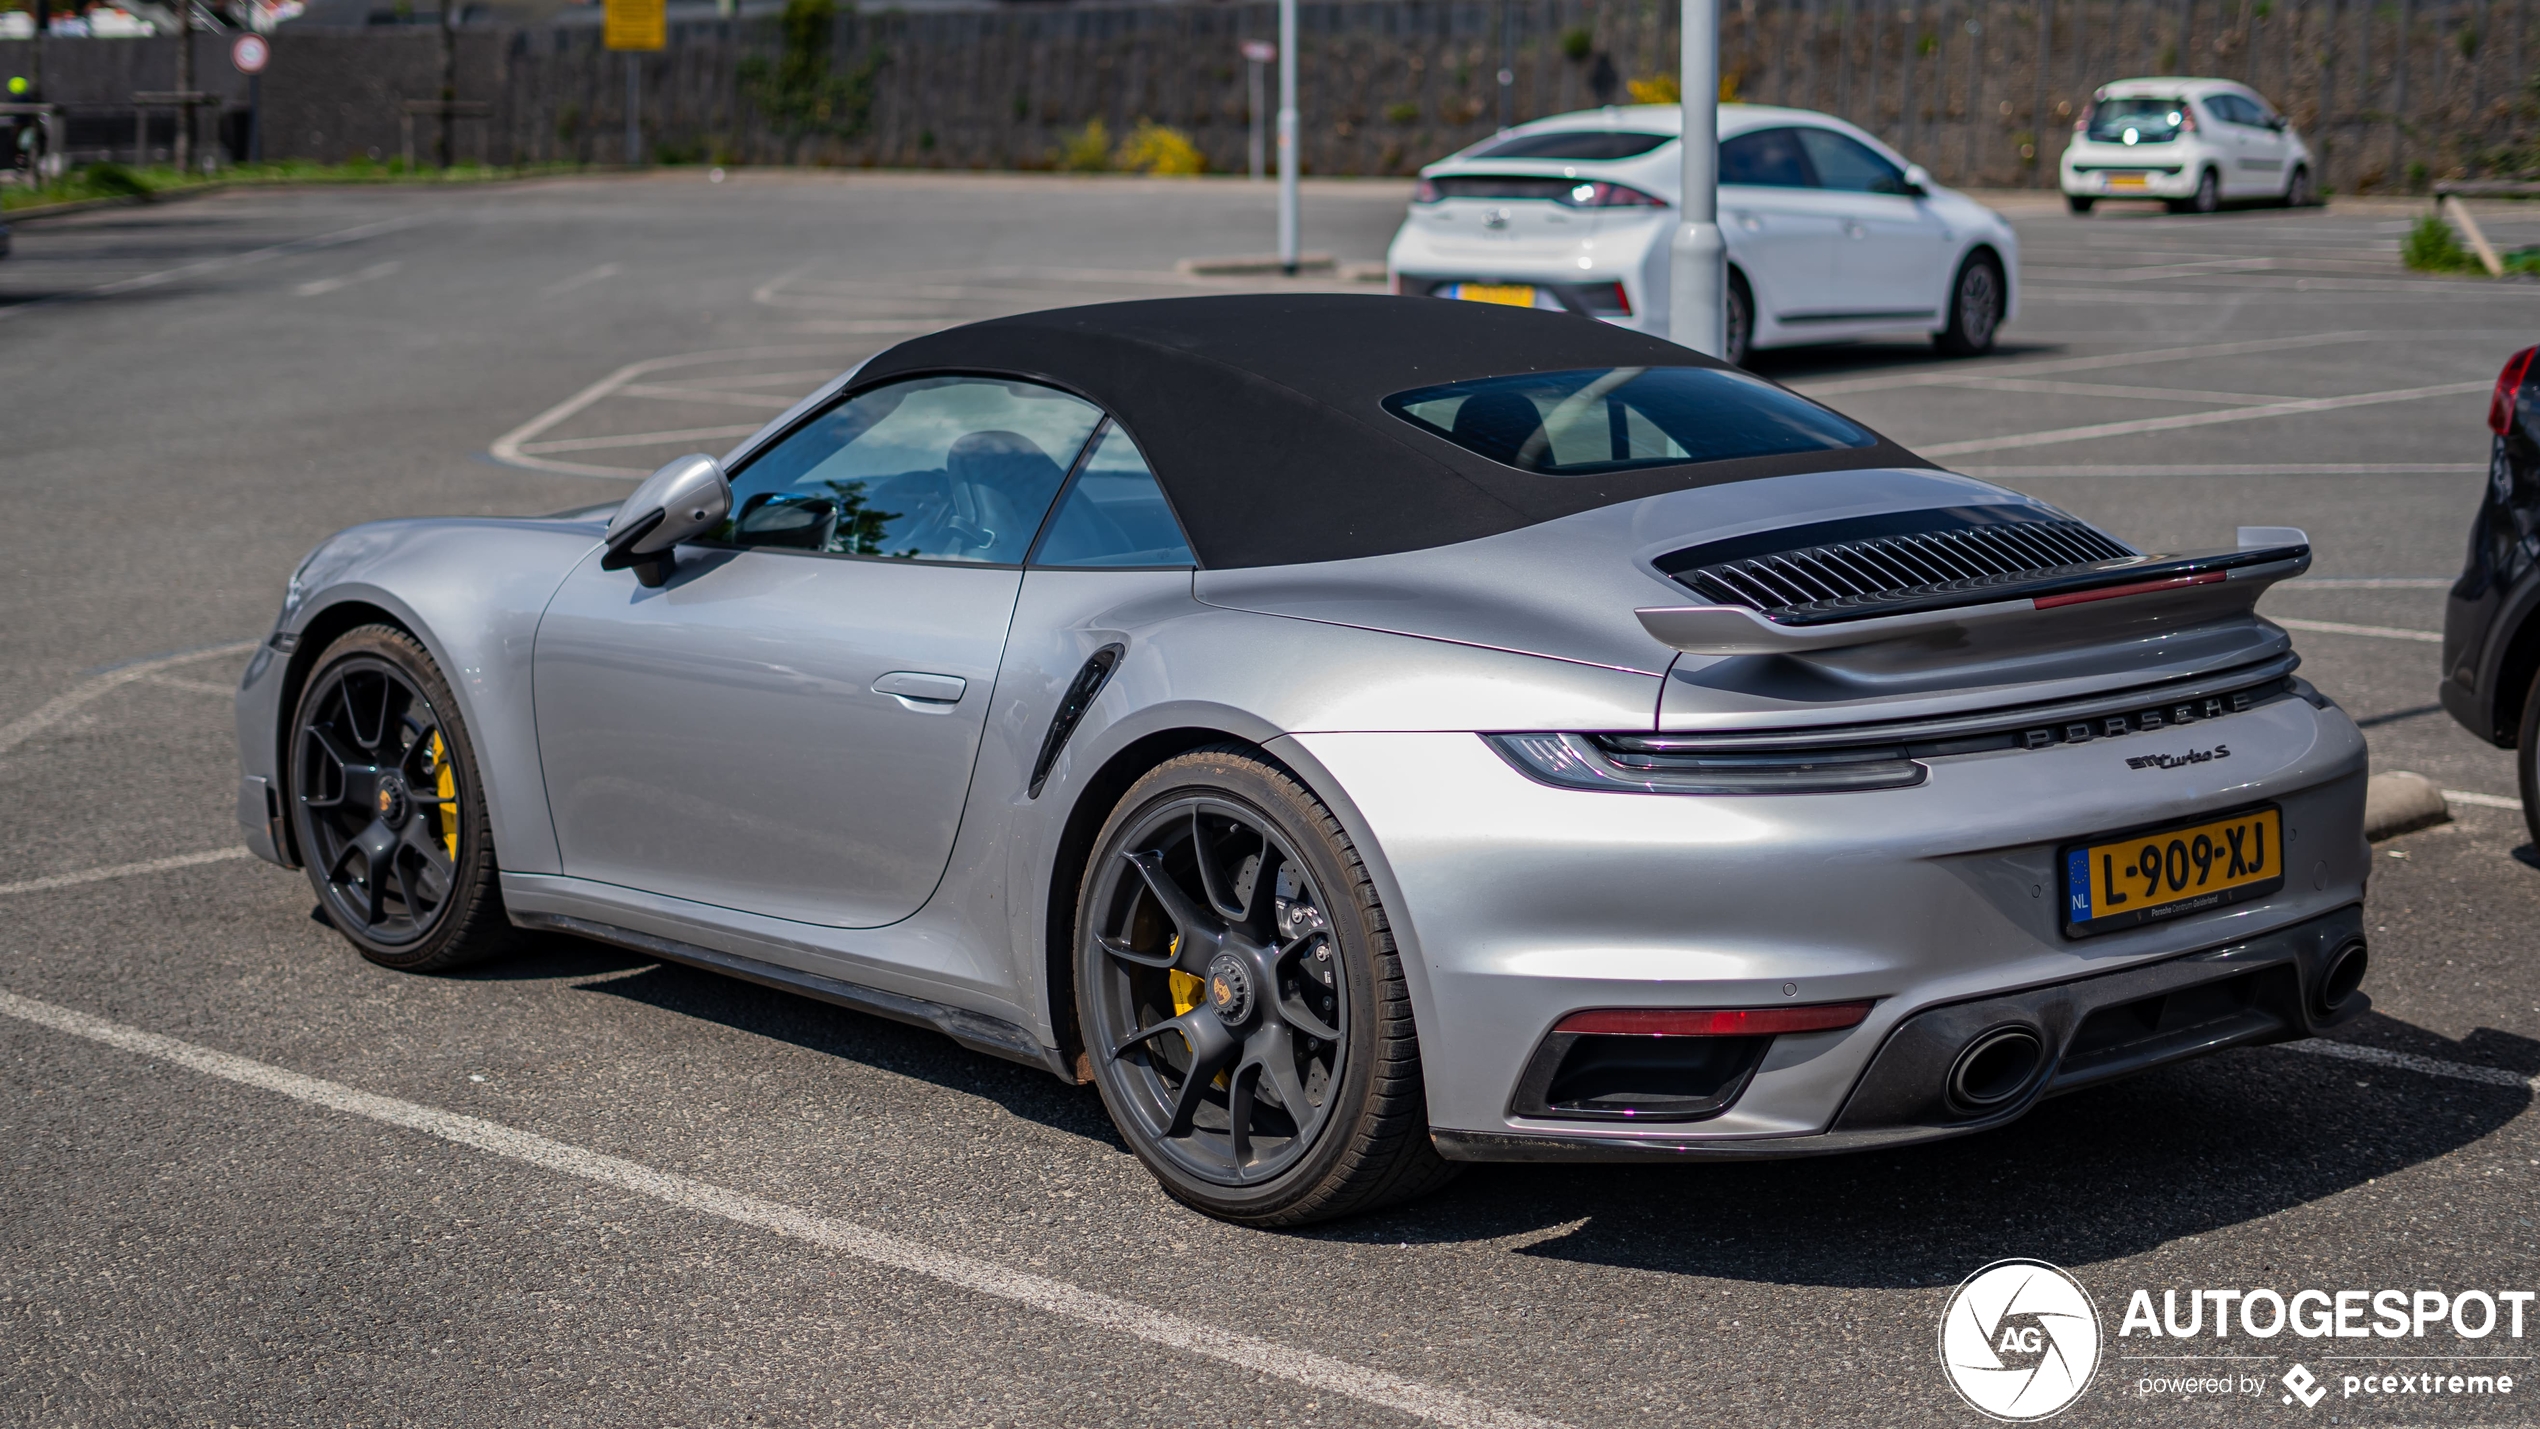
(2081,125)
(1425,192)
(2500,407)
(1608,300)
(1600,194)
(1713,1021)
(2187,121)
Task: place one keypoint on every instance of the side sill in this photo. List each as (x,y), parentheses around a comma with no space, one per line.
(976,1031)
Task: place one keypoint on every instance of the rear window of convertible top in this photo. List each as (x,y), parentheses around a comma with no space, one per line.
(1600,419)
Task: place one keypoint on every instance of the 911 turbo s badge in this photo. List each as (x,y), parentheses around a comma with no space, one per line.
(2178,761)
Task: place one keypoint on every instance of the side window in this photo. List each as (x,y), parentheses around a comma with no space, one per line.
(1767,158)
(931,469)
(2232,109)
(1843,162)
(1114,515)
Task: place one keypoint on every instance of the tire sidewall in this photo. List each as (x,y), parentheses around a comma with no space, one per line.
(1955,338)
(2527,758)
(1739,338)
(389,646)
(1358,934)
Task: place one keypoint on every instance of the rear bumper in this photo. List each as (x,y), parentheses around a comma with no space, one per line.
(2247,994)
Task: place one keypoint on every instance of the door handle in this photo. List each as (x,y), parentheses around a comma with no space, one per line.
(916,687)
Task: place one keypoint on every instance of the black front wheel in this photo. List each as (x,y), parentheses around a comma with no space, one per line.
(1976,300)
(2079,203)
(388,808)
(1241,1000)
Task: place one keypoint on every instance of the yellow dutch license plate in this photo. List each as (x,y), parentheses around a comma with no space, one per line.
(2113,883)
(1514,295)
(2129,181)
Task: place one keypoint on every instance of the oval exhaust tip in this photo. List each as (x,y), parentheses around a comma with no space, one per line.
(1995,1068)
(2346,969)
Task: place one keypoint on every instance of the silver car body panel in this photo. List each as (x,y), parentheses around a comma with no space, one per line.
(1512,902)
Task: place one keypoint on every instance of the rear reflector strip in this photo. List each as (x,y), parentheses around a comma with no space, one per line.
(2084,597)
(1712,1021)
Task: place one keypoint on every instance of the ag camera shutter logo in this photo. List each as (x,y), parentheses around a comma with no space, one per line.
(2019,1340)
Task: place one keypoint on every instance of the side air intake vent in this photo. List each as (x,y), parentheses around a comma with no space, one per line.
(1859,566)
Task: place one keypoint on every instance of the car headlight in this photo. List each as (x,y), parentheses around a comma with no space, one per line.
(1643,764)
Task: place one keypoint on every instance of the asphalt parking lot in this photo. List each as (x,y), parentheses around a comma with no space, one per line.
(252,1179)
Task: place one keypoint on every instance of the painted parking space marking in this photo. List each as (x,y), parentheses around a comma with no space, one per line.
(2483,801)
(121,870)
(2292,408)
(318,288)
(584,278)
(641,439)
(2377,632)
(1046,1294)
(1942,377)
(165,276)
(2411,1062)
(512,447)
(2048,388)
(67,703)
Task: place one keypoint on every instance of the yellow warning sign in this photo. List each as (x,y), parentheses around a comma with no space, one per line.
(635,25)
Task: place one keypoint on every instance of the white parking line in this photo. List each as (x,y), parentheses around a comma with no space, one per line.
(2105,389)
(586,276)
(1039,1292)
(213,265)
(639,439)
(2411,1062)
(62,706)
(322,286)
(509,447)
(2141,425)
(198,687)
(2484,801)
(708,394)
(2378,632)
(121,870)
(1943,376)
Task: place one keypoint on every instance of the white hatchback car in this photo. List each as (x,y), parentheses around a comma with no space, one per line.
(2196,144)
(1830,233)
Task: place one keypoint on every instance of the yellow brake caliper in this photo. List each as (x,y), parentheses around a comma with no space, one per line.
(445,783)
(1186,991)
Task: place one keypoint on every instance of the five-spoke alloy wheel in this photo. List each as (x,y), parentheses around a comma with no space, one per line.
(1241,1001)
(388,810)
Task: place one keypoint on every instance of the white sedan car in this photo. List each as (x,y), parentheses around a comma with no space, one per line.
(1830,233)
(2194,143)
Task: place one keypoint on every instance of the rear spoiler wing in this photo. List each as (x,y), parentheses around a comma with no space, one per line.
(2070,603)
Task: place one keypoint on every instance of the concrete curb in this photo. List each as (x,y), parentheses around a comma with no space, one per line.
(2398,802)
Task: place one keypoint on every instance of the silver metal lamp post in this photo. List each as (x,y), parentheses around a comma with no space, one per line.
(1287,137)
(1697,263)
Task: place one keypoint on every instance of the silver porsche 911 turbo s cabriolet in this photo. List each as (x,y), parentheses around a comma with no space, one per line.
(1359,735)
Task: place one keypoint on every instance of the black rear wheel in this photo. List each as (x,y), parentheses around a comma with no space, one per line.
(388,809)
(1738,323)
(2079,203)
(1242,1003)
(2206,199)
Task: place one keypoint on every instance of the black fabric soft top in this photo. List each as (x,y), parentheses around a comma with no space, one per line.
(1262,415)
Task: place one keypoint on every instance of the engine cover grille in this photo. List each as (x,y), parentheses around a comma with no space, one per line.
(1878,561)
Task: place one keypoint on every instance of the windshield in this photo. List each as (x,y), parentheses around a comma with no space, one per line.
(1602,419)
(2137,121)
(1573,144)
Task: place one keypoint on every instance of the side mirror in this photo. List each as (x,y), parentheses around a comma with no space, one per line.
(1917,181)
(680,502)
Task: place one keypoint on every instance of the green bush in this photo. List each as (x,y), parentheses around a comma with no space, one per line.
(1405,112)
(114,181)
(1578,42)
(2430,247)
(1154,148)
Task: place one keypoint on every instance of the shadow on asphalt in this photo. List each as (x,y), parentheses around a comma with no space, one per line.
(834,1031)
(2099,1175)
(2103,1174)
